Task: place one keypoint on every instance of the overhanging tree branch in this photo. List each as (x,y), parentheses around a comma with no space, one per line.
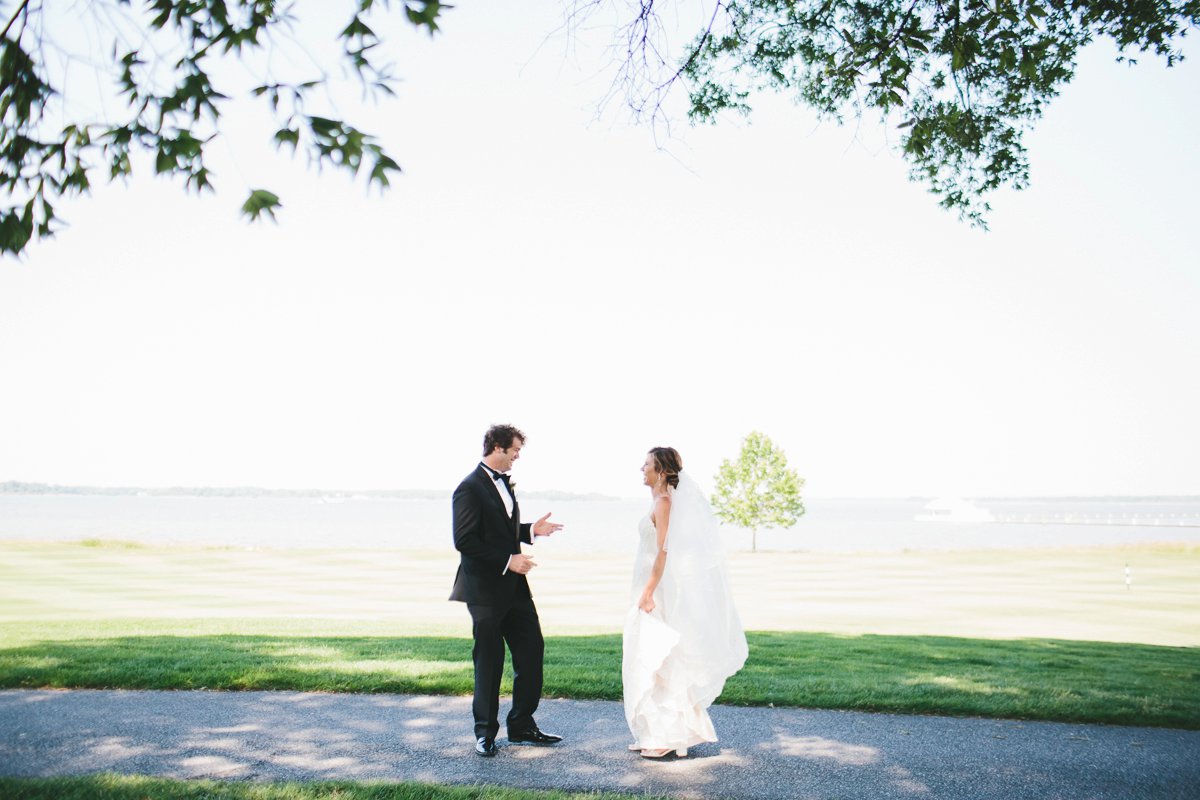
(969,76)
(22,8)
(171,104)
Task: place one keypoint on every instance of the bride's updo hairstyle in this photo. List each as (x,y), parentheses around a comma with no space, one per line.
(668,461)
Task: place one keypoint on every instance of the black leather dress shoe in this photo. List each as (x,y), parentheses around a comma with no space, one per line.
(533,736)
(485,746)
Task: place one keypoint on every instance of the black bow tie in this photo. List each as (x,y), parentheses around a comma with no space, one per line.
(500,476)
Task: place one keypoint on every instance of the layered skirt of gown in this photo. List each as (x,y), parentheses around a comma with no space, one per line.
(675,660)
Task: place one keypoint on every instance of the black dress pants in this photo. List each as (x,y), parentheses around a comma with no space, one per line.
(493,627)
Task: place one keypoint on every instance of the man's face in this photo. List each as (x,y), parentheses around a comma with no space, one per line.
(504,459)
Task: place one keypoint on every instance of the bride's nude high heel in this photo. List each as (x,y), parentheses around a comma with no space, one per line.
(680,753)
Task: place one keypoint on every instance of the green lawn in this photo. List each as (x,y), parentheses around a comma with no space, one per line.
(118,787)
(1051,635)
(1025,679)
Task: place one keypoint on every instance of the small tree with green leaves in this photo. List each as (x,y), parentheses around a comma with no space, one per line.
(758,490)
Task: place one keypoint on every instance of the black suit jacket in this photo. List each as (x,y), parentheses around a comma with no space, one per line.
(485,536)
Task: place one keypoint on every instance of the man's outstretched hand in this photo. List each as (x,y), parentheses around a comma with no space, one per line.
(544,528)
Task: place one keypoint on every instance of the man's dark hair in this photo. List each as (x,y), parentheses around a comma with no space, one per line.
(500,436)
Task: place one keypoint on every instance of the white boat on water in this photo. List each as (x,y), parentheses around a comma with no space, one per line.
(953,509)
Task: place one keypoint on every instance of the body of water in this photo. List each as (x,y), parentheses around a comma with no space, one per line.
(591,525)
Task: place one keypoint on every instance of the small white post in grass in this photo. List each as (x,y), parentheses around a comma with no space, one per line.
(1128,578)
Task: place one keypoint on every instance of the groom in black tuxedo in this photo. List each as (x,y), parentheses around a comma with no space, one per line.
(488,533)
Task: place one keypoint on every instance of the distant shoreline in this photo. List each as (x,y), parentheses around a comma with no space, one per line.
(24,487)
(21,487)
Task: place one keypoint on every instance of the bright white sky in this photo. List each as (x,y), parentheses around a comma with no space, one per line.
(540,267)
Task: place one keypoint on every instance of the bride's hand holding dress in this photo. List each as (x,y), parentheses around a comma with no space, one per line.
(646,603)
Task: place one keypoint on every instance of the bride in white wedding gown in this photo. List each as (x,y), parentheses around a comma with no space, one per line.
(683,637)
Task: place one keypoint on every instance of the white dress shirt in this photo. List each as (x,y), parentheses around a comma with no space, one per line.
(507,498)
(505,494)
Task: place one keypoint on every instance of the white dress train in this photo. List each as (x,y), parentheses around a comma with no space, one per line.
(675,660)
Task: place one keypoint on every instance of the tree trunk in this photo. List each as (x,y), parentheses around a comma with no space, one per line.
(754,540)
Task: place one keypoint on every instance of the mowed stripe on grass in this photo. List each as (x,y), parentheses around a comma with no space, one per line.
(1060,594)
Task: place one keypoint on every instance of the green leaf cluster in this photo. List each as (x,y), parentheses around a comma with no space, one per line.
(758,490)
(964,79)
(171,107)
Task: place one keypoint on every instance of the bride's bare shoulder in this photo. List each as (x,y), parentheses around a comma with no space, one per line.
(662,505)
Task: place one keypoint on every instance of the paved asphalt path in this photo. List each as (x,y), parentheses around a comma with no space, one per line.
(776,753)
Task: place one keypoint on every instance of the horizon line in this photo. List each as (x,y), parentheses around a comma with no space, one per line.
(38,487)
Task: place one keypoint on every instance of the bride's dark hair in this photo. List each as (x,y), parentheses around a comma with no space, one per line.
(668,461)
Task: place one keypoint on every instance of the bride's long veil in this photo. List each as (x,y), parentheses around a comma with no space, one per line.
(696,593)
